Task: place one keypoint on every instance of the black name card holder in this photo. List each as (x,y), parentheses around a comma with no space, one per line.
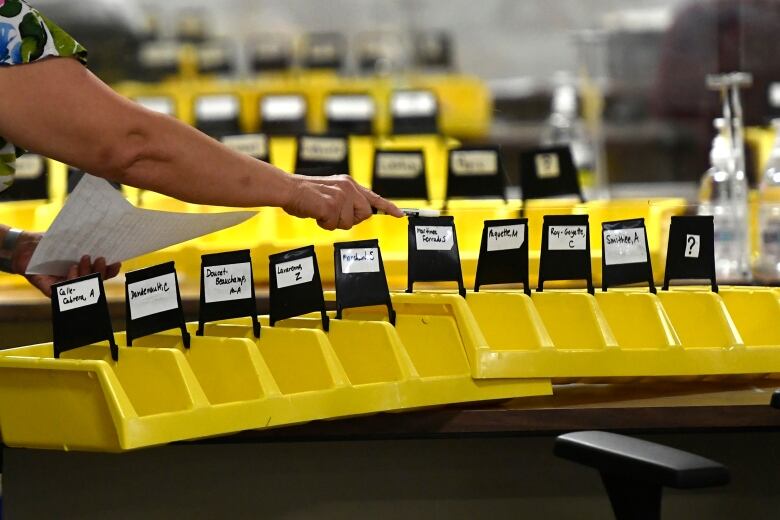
(299,294)
(321,167)
(548,172)
(399,186)
(507,261)
(565,264)
(690,254)
(461,183)
(417,124)
(361,289)
(76,325)
(628,272)
(224,310)
(138,327)
(433,264)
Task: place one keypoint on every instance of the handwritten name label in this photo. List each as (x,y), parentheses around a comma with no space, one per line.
(323,51)
(364,260)
(282,108)
(434,238)
(547,166)
(329,149)
(78,294)
(152,296)
(159,104)
(29,166)
(566,238)
(227,282)
(625,246)
(398,165)
(692,244)
(210,56)
(413,104)
(350,108)
(475,162)
(269,50)
(217,107)
(501,238)
(255,145)
(294,272)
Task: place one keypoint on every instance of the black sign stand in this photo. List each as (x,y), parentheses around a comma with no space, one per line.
(158,322)
(475,186)
(504,265)
(433,265)
(691,250)
(416,125)
(82,326)
(565,264)
(548,172)
(624,274)
(224,310)
(298,299)
(396,187)
(321,167)
(361,289)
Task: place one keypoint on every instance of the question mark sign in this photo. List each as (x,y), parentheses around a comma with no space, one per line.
(691,242)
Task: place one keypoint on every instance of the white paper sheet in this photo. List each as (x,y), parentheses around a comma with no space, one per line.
(96,220)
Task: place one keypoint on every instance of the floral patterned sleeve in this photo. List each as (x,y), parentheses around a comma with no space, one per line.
(27,36)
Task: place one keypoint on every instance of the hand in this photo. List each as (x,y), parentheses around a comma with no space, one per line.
(24,249)
(336,202)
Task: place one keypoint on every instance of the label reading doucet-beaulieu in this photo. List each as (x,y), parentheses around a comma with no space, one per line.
(364,260)
(294,272)
(501,238)
(474,162)
(329,149)
(152,296)
(566,238)
(625,246)
(227,282)
(398,165)
(78,294)
(434,238)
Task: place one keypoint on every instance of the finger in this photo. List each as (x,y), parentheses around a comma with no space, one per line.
(73,272)
(113,270)
(100,267)
(85,266)
(43,283)
(382,204)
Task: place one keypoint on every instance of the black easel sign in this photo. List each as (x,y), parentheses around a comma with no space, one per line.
(433,252)
(153,302)
(226,289)
(625,255)
(565,251)
(295,285)
(400,174)
(475,172)
(80,315)
(503,254)
(414,112)
(316,153)
(253,145)
(691,251)
(360,277)
(548,172)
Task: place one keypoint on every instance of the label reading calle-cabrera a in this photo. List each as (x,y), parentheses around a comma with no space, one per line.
(78,294)
(227,282)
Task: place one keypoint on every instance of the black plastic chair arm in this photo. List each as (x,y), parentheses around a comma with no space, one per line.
(775,402)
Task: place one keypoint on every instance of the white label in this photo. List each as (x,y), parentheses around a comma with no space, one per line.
(566,238)
(625,246)
(350,108)
(328,149)
(217,107)
(294,272)
(322,51)
(152,296)
(269,50)
(78,294)
(28,167)
(434,238)
(255,145)
(398,165)
(501,238)
(547,166)
(692,243)
(360,260)
(282,108)
(227,282)
(160,54)
(211,56)
(159,104)
(420,103)
(475,162)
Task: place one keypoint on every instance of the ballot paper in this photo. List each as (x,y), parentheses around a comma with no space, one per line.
(97,220)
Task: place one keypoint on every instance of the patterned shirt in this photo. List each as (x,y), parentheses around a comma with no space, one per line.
(27,36)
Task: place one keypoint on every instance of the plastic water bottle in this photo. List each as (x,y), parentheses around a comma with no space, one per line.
(725,196)
(768,264)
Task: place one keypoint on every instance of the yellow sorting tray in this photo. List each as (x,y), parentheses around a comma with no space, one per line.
(156,393)
(625,333)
